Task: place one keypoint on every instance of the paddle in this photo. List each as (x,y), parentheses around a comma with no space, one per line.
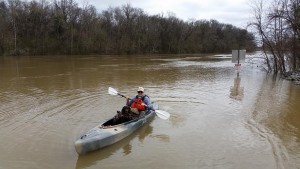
(160,113)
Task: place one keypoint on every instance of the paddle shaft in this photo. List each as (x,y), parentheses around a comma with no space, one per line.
(122,95)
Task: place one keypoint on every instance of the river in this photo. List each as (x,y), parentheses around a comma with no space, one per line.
(221,118)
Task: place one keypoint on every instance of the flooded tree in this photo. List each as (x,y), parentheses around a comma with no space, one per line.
(3,27)
(278,27)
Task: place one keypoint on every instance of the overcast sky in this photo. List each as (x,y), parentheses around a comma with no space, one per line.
(235,12)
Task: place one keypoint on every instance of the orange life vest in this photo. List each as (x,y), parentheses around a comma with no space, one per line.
(137,103)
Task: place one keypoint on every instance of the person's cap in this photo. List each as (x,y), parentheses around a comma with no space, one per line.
(140,89)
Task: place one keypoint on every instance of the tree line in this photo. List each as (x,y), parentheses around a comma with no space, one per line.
(63,27)
(278,27)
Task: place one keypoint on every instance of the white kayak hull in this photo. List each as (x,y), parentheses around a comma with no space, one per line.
(99,136)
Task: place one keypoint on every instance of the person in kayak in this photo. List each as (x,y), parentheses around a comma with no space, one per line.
(135,107)
(140,102)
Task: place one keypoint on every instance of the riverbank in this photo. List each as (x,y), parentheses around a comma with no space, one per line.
(293,76)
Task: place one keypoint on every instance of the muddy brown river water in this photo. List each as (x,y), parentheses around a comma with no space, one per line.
(220,118)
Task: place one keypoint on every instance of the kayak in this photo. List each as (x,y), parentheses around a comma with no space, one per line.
(107,133)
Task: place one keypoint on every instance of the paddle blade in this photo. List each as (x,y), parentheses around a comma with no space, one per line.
(112,91)
(162,114)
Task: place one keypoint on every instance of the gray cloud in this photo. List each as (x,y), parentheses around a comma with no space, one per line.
(234,12)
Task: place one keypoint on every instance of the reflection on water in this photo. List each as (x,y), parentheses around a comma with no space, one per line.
(162,137)
(127,149)
(237,91)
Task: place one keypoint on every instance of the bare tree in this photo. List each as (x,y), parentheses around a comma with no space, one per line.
(62,27)
(278,30)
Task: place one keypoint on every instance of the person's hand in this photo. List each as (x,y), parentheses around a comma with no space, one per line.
(143,104)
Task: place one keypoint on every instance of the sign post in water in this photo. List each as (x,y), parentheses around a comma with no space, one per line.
(238,57)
